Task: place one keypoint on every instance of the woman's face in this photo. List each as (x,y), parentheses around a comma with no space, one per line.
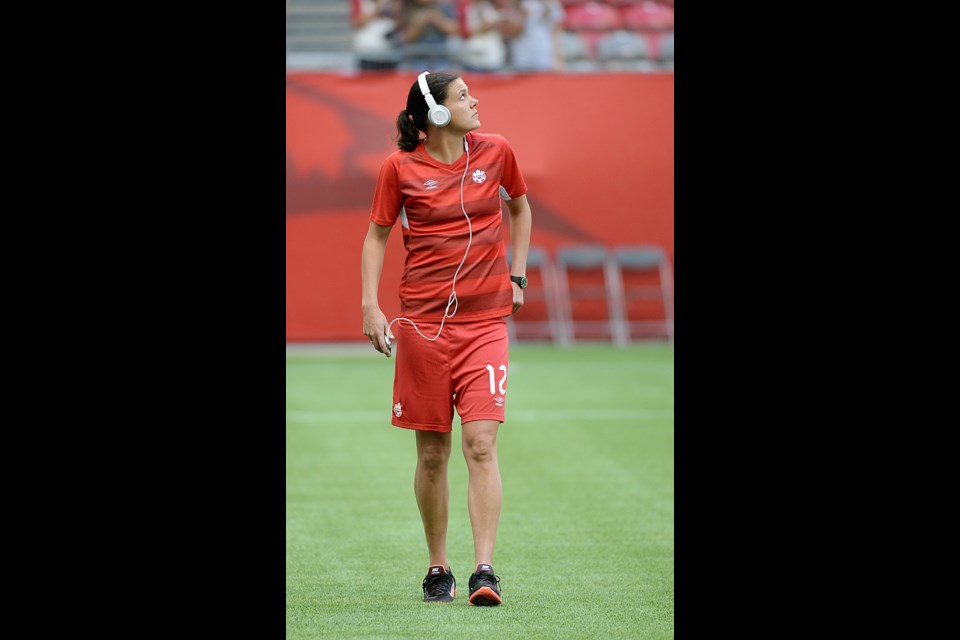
(463,107)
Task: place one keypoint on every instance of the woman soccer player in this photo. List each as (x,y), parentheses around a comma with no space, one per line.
(455,293)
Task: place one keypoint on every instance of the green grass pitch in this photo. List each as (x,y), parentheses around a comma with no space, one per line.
(585,547)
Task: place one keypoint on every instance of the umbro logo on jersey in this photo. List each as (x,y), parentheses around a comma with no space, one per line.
(479,176)
(430,184)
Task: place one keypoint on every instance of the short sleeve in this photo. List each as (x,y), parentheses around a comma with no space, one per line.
(511,180)
(386,199)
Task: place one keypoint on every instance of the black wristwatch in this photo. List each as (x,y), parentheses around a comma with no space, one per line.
(520,280)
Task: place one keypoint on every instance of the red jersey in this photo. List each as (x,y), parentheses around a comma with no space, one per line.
(424,194)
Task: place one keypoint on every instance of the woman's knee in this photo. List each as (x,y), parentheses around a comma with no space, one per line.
(433,456)
(480,447)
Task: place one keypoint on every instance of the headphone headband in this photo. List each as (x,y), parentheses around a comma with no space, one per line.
(425,90)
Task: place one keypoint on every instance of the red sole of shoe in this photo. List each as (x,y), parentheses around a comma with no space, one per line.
(485,597)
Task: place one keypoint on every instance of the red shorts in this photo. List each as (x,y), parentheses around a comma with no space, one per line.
(466,368)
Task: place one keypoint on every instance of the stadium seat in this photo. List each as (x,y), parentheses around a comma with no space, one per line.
(592,16)
(540,317)
(647,16)
(590,294)
(622,49)
(646,282)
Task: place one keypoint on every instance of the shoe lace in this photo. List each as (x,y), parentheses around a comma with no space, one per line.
(437,585)
(476,578)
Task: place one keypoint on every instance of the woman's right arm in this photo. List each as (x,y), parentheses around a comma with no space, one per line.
(375,324)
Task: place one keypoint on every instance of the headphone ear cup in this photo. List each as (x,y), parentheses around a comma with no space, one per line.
(439,115)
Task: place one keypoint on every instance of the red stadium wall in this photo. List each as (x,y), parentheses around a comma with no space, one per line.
(596,152)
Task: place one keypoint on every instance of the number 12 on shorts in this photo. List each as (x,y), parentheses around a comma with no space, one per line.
(503,379)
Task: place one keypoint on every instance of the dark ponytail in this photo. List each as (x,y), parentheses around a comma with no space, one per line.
(408,131)
(408,135)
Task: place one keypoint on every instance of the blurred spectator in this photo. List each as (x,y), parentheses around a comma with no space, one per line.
(537,46)
(428,34)
(374,21)
(484,48)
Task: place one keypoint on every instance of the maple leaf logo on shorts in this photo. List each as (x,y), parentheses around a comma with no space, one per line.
(397,410)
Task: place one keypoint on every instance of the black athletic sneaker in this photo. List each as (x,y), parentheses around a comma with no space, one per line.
(439,585)
(484,587)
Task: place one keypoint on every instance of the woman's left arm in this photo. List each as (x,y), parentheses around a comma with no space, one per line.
(521,222)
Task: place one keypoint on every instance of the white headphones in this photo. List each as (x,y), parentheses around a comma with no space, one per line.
(438,114)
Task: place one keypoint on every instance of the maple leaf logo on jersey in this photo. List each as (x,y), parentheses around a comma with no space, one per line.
(479,176)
